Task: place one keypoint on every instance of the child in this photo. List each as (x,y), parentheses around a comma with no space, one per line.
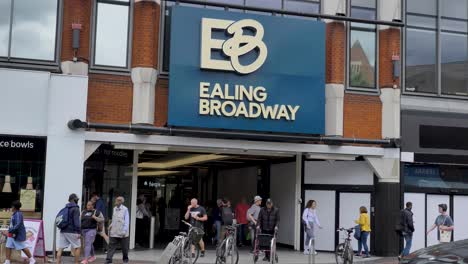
(17,234)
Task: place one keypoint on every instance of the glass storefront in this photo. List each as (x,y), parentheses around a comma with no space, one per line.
(22,170)
(436,176)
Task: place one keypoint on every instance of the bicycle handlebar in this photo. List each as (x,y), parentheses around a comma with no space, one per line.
(187,223)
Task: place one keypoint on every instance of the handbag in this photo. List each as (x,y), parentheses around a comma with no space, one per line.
(445,236)
(357,232)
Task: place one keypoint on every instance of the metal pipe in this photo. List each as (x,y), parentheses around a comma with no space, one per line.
(147,129)
(286,12)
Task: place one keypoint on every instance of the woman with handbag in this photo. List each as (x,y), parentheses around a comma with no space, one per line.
(90,218)
(444,224)
(310,221)
(364,224)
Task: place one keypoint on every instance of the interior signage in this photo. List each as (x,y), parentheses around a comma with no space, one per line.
(239,71)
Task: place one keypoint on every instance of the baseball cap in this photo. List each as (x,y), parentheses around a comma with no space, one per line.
(257,198)
(269,201)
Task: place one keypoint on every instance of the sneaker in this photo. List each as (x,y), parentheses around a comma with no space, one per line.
(202,254)
(366,256)
(6,262)
(306,252)
(84,261)
(32,261)
(91,259)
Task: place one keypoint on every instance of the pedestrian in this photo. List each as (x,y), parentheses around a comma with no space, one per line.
(90,218)
(364,224)
(196,215)
(100,205)
(310,220)
(119,231)
(252,217)
(16,234)
(407,228)
(268,220)
(444,224)
(218,220)
(241,219)
(227,215)
(142,222)
(70,234)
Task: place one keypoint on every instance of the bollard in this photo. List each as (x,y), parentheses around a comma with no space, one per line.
(54,246)
(151,242)
(313,248)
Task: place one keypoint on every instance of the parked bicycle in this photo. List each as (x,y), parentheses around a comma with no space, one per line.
(184,248)
(226,251)
(344,251)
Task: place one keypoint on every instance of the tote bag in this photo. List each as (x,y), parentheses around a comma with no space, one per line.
(445,236)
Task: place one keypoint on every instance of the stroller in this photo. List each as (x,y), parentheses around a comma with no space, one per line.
(264,244)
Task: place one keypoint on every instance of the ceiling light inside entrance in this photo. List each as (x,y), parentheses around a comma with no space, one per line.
(188,160)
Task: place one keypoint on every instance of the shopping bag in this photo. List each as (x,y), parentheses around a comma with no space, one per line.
(445,236)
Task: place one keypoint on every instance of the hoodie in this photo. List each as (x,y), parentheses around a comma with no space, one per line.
(74,223)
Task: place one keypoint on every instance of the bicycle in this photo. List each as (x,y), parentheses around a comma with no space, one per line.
(179,251)
(227,251)
(344,251)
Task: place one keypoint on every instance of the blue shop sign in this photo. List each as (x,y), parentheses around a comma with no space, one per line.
(240,71)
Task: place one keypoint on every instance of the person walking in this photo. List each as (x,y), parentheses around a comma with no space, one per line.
(241,219)
(100,206)
(268,220)
(70,235)
(119,231)
(364,223)
(310,220)
(252,217)
(407,228)
(444,224)
(227,214)
(16,234)
(196,215)
(218,220)
(90,218)
(142,222)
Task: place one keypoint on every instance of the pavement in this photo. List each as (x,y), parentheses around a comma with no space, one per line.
(285,256)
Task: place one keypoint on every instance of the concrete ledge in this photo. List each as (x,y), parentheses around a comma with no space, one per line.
(144,92)
(74,68)
(334,100)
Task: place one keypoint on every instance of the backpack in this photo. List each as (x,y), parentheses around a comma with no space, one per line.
(62,220)
(227,216)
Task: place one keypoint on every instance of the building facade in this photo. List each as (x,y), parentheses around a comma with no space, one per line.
(121,71)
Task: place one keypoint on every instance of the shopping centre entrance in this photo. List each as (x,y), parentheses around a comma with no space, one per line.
(169,177)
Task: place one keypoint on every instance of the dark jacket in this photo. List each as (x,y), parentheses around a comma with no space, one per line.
(406,221)
(17,228)
(74,225)
(101,207)
(268,219)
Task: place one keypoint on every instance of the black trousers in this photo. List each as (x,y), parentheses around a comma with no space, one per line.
(114,242)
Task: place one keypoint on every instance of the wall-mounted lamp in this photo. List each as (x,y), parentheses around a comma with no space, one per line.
(7,185)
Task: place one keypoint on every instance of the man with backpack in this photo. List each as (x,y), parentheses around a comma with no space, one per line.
(69,223)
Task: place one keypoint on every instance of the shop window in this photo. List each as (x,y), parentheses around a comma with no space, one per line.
(111,35)
(303,6)
(435,176)
(362,47)
(436,47)
(22,169)
(28,31)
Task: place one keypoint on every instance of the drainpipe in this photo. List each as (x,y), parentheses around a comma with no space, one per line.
(76,124)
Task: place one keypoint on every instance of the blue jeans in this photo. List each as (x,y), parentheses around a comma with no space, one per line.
(363,243)
(408,243)
(218,231)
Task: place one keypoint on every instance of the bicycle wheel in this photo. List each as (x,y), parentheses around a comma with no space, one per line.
(220,253)
(191,258)
(273,256)
(232,254)
(339,251)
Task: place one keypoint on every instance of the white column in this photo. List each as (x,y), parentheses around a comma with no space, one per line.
(144,90)
(134,198)
(387,168)
(390,112)
(65,148)
(334,100)
(297,203)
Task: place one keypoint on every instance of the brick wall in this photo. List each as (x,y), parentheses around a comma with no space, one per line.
(76,11)
(110,98)
(389,45)
(145,34)
(335,48)
(362,116)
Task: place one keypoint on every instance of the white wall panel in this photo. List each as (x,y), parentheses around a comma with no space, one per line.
(338,172)
(326,211)
(419,216)
(460,209)
(282,190)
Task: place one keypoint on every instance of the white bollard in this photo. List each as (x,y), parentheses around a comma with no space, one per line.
(151,242)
